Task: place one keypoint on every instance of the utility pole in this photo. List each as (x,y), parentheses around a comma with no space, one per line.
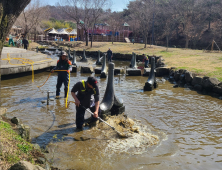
(153,21)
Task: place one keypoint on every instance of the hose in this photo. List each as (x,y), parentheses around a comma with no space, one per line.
(68,86)
(24,61)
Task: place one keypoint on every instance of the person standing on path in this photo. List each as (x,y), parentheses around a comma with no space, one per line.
(25,42)
(86,93)
(63,76)
(110,55)
(10,41)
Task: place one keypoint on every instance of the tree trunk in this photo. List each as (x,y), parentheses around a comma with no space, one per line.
(209,26)
(92,36)
(145,42)
(9,12)
(86,34)
(92,39)
(187,41)
(167,39)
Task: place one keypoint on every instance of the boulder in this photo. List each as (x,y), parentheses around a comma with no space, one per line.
(162,71)
(220,84)
(15,120)
(24,131)
(177,75)
(182,71)
(159,62)
(188,77)
(182,77)
(86,69)
(172,72)
(198,87)
(209,83)
(171,78)
(197,80)
(24,165)
(217,90)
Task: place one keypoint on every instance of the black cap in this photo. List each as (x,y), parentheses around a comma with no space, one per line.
(63,53)
(92,81)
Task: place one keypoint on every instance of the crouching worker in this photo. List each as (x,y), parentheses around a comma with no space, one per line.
(86,93)
(146,59)
(63,76)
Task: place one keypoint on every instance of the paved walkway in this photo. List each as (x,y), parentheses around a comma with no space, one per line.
(17,60)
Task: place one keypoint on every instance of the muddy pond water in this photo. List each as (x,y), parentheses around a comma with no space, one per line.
(188,125)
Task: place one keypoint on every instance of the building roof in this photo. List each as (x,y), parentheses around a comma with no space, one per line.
(73,32)
(16,27)
(126,25)
(63,31)
(53,31)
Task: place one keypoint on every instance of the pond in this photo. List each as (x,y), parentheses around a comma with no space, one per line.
(187,124)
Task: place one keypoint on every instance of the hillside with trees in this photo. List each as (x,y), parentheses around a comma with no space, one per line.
(180,23)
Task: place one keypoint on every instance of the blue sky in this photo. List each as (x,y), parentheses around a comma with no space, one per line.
(118,5)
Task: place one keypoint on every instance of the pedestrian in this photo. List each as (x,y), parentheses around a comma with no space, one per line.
(133,41)
(63,76)
(10,41)
(25,42)
(146,60)
(86,93)
(110,55)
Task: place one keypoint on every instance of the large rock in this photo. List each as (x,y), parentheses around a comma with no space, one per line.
(188,77)
(171,72)
(86,69)
(197,80)
(177,75)
(210,83)
(15,120)
(182,71)
(24,165)
(217,90)
(198,87)
(24,131)
(159,62)
(162,71)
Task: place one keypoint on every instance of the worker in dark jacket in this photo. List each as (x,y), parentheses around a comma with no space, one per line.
(110,55)
(25,42)
(86,93)
(63,76)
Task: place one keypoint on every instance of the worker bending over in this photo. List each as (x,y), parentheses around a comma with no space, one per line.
(86,93)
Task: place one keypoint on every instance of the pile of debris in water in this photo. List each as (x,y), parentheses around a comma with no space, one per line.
(139,135)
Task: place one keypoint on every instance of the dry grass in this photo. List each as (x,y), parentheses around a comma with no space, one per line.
(13,148)
(202,63)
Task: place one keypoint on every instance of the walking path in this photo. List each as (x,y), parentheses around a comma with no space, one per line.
(17,60)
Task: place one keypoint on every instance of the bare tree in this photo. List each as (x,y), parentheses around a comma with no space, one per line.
(166,20)
(32,16)
(115,23)
(9,11)
(187,12)
(210,10)
(143,10)
(83,12)
(134,23)
(97,11)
